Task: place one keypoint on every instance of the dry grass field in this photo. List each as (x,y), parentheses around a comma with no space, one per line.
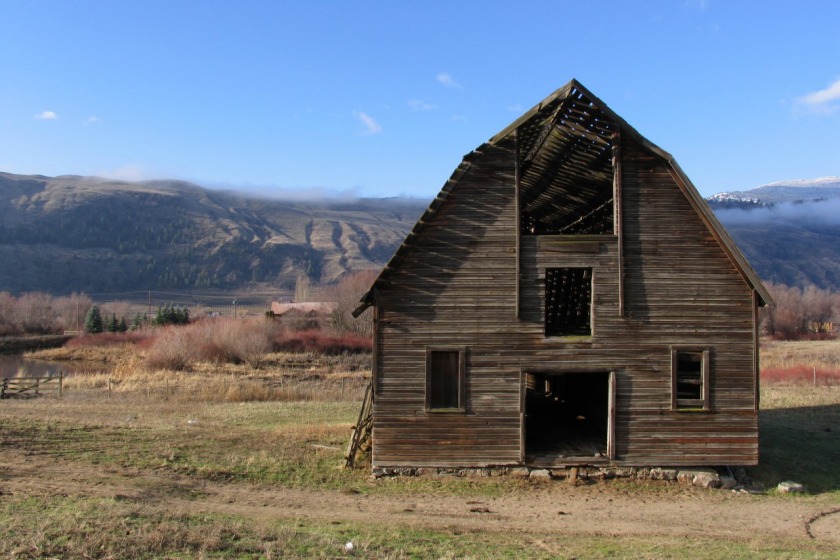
(229,461)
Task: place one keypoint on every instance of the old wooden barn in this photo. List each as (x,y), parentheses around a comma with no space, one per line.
(567,299)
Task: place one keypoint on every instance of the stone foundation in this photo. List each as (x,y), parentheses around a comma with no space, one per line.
(703,477)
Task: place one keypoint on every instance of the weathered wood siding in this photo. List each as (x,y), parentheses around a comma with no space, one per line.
(681,288)
(457,287)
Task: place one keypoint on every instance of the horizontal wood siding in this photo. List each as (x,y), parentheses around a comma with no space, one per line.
(681,289)
(457,286)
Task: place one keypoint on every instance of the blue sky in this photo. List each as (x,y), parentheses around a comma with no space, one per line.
(385,98)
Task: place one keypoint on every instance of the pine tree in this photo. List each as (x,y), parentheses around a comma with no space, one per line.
(93,320)
(111,323)
(122,326)
(137,322)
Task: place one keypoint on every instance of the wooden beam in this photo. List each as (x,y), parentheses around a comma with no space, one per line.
(617,216)
(517,179)
(611,417)
(756,301)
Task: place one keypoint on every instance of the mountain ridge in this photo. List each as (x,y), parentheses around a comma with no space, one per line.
(73,233)
(96,234)
(788,230)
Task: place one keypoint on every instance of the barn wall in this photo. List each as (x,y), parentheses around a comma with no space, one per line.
(681,288)
(457,286)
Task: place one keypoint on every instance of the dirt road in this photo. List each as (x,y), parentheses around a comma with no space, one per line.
(556,507)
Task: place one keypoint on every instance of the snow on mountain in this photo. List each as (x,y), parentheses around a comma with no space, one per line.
(796,190)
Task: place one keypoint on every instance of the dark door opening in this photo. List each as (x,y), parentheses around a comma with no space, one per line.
(567,416)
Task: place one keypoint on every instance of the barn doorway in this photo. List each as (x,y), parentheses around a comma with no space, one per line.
(568,417)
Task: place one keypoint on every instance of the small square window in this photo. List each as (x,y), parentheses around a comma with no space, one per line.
(445,379)
(689,379)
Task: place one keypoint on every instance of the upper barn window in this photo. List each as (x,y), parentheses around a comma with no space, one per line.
(567,171)
(568,302)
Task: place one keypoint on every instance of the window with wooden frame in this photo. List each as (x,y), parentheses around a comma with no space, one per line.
(568,302)
(445,379)
(689,379)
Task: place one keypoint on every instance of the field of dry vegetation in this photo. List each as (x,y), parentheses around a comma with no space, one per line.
(225,440)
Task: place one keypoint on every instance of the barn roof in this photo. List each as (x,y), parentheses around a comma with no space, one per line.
(571,128)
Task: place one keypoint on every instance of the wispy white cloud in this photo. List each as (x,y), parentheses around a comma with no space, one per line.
(420,105)
(447,80)
(46,116)
(129,172)
(459,118)
(90,120)
(698,4)
(371,126)
(516,108)
(822,101)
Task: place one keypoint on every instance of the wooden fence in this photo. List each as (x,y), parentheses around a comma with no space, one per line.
(31,387)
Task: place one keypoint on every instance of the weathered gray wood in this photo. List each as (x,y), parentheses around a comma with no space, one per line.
(663,277)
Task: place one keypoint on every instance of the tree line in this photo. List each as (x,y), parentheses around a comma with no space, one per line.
(798,313)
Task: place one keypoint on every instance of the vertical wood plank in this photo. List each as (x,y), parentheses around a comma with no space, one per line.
(611,418)
(517,180)
(616,146)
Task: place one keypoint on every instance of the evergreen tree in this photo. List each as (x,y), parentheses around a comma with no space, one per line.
(122,326)
(111,323)
(93,320)
(137,322)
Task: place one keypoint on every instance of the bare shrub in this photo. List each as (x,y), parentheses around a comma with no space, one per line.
(70,311)
(172,349)
(39,313)
(217,340)
(7,307)
(347,294)
(800,314)
(242,341)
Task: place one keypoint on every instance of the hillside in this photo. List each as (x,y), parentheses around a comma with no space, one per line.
(789,230)
(72,233)
(69,233)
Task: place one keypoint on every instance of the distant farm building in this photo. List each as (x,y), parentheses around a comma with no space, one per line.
(305,314)
(567,299)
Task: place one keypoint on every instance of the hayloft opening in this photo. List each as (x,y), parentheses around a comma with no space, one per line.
(566,416)
(567,171)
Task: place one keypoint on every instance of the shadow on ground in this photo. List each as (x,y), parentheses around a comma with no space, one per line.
(800,444)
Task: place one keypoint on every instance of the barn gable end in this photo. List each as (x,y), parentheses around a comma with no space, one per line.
(567,299)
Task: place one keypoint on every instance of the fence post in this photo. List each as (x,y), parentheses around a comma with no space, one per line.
(60,384)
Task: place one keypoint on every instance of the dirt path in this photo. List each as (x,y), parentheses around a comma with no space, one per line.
(601,509)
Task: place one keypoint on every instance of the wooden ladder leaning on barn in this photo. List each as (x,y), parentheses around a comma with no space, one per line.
(360,437)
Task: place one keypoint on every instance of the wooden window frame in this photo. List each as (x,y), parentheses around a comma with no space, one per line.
(703,404)
(461,382)
(591,305)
